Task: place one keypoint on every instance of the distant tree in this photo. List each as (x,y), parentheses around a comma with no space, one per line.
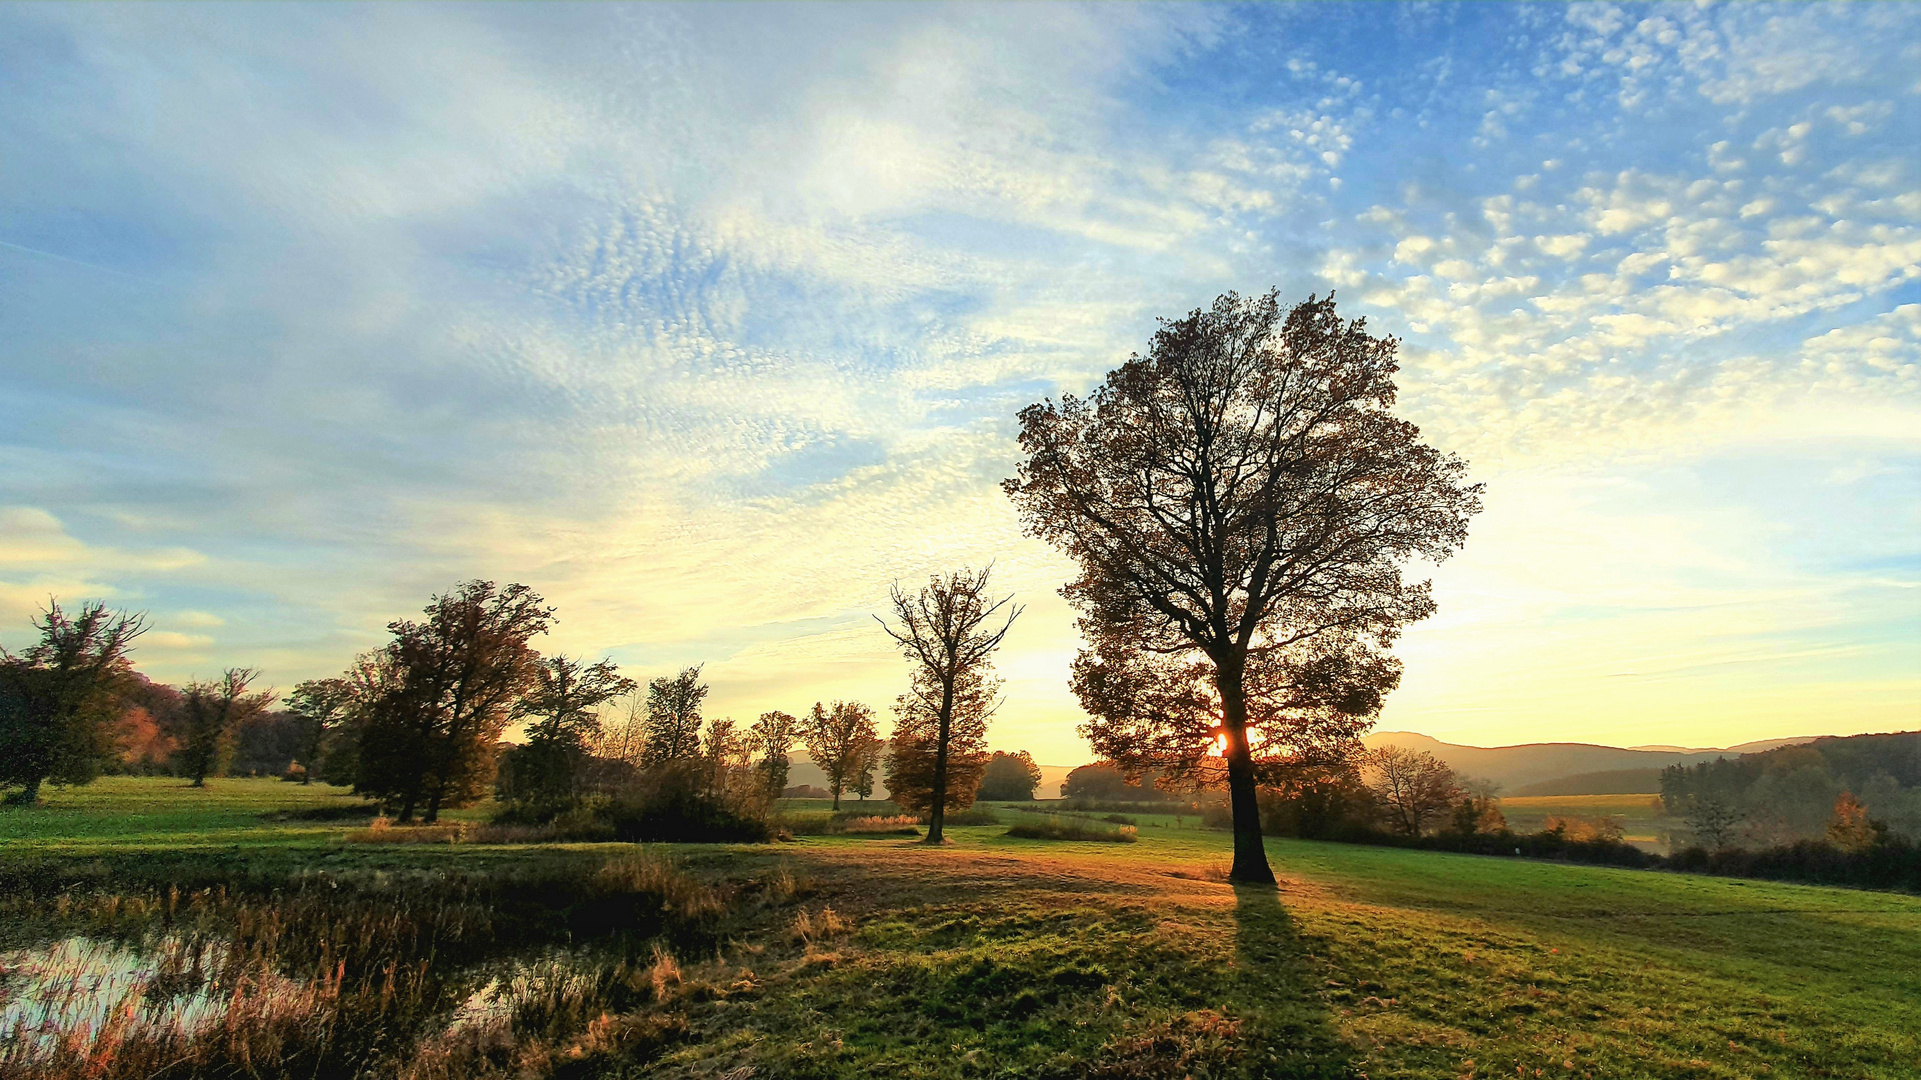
(673,716)
(1849,829)
(625,739)
(1415,787)
(321,706)
(770,740)
(836,739)
(562,712)
(443,694)
(868,758)
(920,777)
(1010,777)
(144,732)
(60,698)
(1477,810)
(1102,780)
(1714,821)
(1240,503)
(210,717)
(947,632)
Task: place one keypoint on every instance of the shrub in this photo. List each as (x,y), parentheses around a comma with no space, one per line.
(1060,828)
(678,803)
(874,825)
(973,815)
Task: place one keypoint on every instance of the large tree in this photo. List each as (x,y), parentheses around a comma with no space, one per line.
(211,715)
(59,698)
(673,716)
(441,697)
(839,739)
(947,632)
(1240,502)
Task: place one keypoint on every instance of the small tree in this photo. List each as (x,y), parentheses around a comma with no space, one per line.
(673,716)
(947,633)
(1849,829)
(1415,787)
(1240,502)
(210,716)
(836,739)
(770,740)
(58,699)
(1714,821)
(867,762)
(1010,777)
(321,706)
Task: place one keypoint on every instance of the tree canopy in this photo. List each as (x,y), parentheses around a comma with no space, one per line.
(1240,503)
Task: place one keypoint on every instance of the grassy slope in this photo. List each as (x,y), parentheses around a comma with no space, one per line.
(995,956)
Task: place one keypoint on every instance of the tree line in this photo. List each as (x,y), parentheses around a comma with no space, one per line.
(1239,503)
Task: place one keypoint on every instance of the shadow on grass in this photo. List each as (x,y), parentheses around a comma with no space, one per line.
(1287,1029)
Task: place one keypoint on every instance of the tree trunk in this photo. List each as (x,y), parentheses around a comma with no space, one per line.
(937,810)
(31,796)
(1250,855)
(836,794)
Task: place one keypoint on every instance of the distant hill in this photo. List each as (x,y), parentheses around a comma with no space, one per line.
(1533,764)
(1612,782)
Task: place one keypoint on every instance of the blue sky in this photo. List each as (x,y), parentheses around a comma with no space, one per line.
(711,322)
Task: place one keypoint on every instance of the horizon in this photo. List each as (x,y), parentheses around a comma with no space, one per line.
(710,324)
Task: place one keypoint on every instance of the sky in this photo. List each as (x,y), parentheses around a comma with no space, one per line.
(710,323)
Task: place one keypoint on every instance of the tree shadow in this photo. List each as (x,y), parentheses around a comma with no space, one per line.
(1287,1029)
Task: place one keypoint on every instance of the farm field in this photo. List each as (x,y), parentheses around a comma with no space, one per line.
(1643,820)
(842,956)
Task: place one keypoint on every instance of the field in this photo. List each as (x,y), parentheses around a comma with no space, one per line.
(840,956)
(1643,820)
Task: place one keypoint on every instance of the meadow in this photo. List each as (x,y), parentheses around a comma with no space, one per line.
(1644,821)
(309,954)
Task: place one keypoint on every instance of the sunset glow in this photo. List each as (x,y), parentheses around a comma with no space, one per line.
(711,324)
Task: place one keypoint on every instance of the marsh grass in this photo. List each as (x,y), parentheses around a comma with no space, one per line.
(341,974)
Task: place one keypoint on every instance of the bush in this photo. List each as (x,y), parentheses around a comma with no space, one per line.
(1119,819)
(1060,828)
(1894,863)
(879,825)
(973,815)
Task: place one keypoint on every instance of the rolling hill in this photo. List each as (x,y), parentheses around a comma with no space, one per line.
(1599,770)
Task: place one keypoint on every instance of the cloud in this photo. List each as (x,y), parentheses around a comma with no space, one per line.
(712,323)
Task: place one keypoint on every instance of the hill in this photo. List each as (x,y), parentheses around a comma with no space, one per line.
(1530,764)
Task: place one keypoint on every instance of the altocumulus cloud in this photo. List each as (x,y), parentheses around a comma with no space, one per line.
(711,322)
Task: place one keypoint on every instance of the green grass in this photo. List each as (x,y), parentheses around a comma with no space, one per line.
(993,956)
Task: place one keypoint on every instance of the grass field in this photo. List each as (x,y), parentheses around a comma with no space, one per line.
(995,956)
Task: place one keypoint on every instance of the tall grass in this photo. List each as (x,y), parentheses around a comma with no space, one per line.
(343,975)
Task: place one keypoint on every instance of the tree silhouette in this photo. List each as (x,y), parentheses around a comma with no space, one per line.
(444,689)
(839,739)
(57,699)
(562,710)
(210,716)
(321,706)
(769,740)
(1240,502)
(946,632)
(673,716)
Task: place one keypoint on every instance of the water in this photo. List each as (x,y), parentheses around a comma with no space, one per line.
(77,987)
